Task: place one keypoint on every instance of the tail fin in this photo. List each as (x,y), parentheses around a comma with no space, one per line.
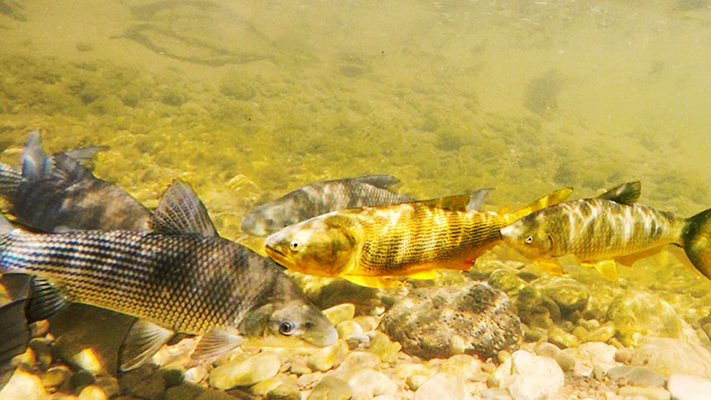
(696,239)
(14,330)
(552,199)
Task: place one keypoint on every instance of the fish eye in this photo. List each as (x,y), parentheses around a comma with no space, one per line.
(295,245)
(286,328)
(529,240)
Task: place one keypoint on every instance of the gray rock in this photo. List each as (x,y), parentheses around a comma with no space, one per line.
(438,322)
(442,386)
(529,377)
(687,387)
(331,388)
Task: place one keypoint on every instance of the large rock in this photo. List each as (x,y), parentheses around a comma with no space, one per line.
(673,356)
(438,322)
(638,314)
(685,387)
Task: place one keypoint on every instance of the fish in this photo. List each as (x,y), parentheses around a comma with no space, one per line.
(179,277)
(376,246)
(14,322)
(609,229)
(57,193)
(320,198)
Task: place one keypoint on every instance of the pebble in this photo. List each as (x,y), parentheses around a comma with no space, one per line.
(495,394)
(462,365)
(357,360)
(565,360)
(196,374)
(328,357)
(339,313)
(529,377)
(637,376)
(623,355)
(650,393)
(367,322)
(688,387)
(601,355)
(369,382)
(23,386)
(56,376)
(93,392)
(547,349)
(381,345)
(286,391)
(245,371)
(331,388)
(442,386)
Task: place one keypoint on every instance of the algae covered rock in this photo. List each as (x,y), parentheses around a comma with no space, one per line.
(638,314)
(439,322)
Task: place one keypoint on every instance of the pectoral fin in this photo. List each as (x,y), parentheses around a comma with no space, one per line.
(46,301)
(374,282)
(217,342)
(607,268)
(142,341)
(551,267)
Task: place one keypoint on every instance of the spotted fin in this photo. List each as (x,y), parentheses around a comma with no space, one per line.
(552,199)
(215,343)
(374,282)
(627,193)
(142,341)
(181,211)
(607,268)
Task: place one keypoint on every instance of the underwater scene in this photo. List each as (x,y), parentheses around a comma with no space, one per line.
(323,199)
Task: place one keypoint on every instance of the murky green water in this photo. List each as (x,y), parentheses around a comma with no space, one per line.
(247,100)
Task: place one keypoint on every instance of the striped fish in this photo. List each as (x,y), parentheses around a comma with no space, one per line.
(180,277)
(56,193)
(608,229)
(321,198)
(373,246)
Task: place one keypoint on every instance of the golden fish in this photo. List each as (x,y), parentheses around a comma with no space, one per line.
(370,246)
(608,229)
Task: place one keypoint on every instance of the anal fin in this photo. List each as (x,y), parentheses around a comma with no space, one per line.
(607,268)
(142,341)
(374,281)
(550,266)
(425,275)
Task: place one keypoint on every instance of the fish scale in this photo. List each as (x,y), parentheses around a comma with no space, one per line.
(132,273)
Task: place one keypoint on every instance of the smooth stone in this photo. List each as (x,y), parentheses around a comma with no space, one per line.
(151,388)
(369,382)
(403,371)
(442,386)
(673,356)
(623,355)
(245,371)
(547,349)
(462,365)
(529,377)
(495,394)
(331,388)
(636,376)
(56,376)
(650,393)
(367,322)
(109,384)
(92,392)
(601,355)
(415,381)
(264,387)
(299,367)
(381,345)
(637,314)
(359,360)
(196,374)
(328,357)
(339,313)
(23,386)
(688,387)
(348,329)
(183,392)
(565,360)
(562,339)
(284,392)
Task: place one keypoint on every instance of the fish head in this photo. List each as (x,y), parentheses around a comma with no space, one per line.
(270,218)
(288,323)
(530,236)
(321,246)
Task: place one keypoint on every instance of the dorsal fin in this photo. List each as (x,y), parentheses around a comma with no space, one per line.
(85,154)
(552,199)
(381,181)
(34,159)
(626,193)
(457,202)
(180,211)
(66,167)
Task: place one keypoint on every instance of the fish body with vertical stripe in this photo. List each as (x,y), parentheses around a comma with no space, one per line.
(374,245)
(600,231)
(320,198)
(179,277)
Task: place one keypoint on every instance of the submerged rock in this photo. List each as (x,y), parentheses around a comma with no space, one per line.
(331,388)
(529,377)
(685,387)
(639,314)
(245,371)
(673,356)
(439,322)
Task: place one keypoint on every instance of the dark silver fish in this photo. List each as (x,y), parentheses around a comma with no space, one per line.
(57,193)
(179,278)
(321,198)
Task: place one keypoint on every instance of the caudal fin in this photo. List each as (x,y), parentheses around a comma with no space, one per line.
(14,329)
(697,241)
(552,199)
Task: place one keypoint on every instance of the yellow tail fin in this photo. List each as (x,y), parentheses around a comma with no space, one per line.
(696,240)
(552,199)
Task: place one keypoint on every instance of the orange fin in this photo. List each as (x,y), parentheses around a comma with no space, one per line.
(425,275)
(551,267)
(374,282)
(607,268)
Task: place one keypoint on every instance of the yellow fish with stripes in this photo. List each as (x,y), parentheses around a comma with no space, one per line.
(372,246)
(608,229)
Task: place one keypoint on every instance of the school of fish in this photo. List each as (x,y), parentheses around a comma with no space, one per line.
(86,241)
